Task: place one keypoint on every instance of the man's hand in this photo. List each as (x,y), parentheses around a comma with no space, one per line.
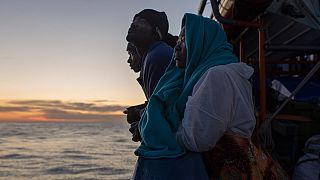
(133,115)
(134,129)
(133,118)
(133,112)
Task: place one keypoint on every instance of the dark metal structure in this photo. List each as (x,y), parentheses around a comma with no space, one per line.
(279,32)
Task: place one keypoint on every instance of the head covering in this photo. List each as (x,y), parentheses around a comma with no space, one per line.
(207,46)
(156,19)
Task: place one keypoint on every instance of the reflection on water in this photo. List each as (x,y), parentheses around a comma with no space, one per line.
(66,151)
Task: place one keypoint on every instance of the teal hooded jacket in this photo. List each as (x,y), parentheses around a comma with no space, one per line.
(206,46)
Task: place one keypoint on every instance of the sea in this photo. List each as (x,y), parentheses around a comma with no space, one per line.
(64,150)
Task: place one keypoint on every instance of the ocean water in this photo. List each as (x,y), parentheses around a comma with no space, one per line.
(66,151)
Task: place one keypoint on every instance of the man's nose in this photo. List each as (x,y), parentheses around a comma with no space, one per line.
(132,25)
(129,60)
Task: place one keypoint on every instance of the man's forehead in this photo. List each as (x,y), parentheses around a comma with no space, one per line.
(139,19)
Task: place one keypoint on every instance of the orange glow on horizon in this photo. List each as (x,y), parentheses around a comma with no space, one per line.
(59,111)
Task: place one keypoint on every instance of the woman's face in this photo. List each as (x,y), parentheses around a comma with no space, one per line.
(180,50)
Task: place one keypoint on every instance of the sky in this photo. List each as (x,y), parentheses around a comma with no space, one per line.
(68,58)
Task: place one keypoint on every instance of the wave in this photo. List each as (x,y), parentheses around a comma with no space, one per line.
(97,170)
(87,133)
(121,140)
(78,157)
(65,151)
(21,149)
(13,133)
(71,152)
(101,154)
(18,156)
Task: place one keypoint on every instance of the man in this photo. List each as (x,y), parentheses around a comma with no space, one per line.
(134,59)
(147,33)
(133,112)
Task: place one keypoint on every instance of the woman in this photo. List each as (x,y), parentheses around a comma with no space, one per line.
(202,103)
(219,114)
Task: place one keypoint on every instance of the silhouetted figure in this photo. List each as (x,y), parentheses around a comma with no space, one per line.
(134,59)
(149,33)
(134,112)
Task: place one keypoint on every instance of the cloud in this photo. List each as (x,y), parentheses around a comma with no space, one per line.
(37,103)
(103,101)
(77,106)
(64,115)
(109,108)
(59,110)
(14,109)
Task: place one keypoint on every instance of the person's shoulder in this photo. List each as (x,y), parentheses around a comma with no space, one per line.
(163,45)
(161,53)
(213,75)
(162,49)
(213,79)
(219,74)
(218,71)
(240,68)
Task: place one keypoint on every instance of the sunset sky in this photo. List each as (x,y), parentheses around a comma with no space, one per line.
(66,59)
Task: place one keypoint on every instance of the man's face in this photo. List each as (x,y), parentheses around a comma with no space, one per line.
(140,32)
(134,60)
(180,50)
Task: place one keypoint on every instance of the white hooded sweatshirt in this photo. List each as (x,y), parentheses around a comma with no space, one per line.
(221,103)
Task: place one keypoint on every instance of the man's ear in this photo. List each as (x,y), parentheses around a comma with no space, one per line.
(159,33)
